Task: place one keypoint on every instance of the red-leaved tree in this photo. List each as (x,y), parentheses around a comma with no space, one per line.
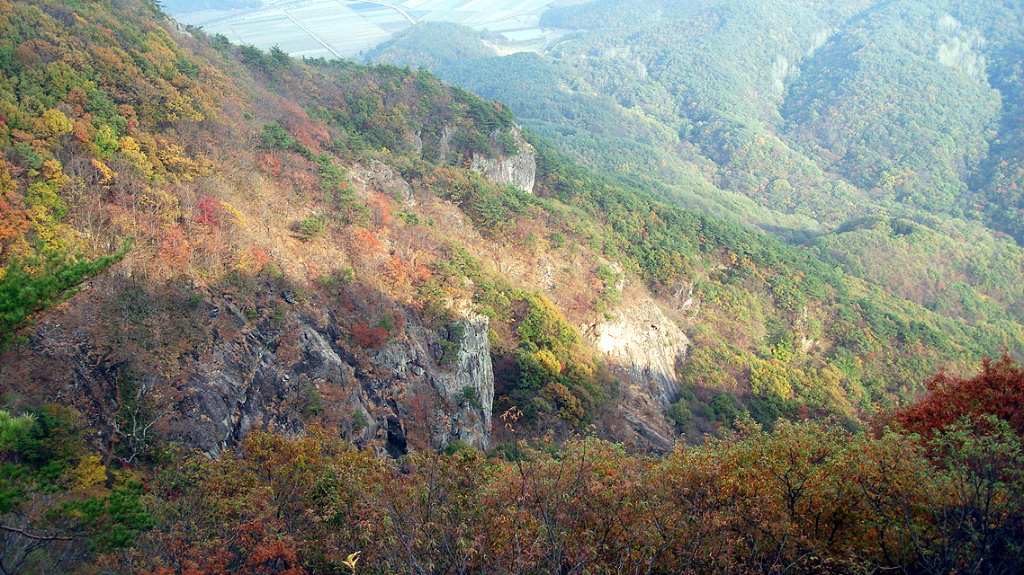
(998,391)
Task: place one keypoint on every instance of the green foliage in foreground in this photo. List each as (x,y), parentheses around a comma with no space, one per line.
(59,504)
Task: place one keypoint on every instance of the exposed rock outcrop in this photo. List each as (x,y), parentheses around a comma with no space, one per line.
(645,347)
(409,393)
(468,383)
(455,362)
(645,344)
(444,148)
(518,170)
(422,389)
(380,176)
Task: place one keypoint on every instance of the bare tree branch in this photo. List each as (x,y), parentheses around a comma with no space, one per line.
(24,533)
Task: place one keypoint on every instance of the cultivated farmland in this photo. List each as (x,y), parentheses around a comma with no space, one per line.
(346,29)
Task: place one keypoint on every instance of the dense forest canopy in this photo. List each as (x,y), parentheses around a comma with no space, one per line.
(867,132)
(805,498)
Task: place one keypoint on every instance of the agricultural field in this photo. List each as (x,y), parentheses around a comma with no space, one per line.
(347,29)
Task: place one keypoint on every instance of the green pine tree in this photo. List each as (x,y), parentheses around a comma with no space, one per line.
(28,286)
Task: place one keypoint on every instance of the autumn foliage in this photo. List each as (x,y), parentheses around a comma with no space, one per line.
(121,146)
(998,391)
(369,337)
(805,498)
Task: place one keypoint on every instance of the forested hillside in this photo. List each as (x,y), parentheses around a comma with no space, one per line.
(325,208)
(809,108)
(258,315)
(878,136)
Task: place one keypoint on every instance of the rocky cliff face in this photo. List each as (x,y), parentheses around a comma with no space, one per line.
(382,177)
(408,392)
(518,170)
(235,358)
(422,389)
(451,367)
(645,347)
(284,266)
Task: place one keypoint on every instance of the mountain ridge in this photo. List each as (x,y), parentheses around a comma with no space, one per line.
(296,227)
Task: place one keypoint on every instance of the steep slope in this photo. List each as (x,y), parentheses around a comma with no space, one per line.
(313,245)
(303,243)
(324,270)
(899,103)
(865,130)
(1000,179)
